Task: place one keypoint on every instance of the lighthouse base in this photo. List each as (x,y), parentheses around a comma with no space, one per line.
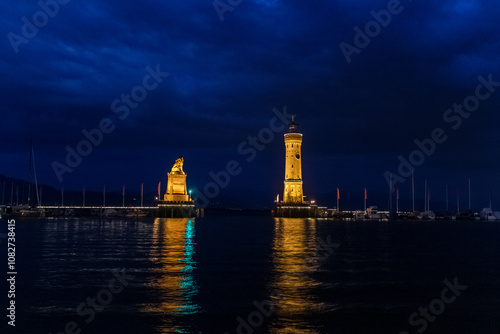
(171,209)
(292,210)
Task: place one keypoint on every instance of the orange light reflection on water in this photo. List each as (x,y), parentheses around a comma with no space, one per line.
(173,249)
(294,258)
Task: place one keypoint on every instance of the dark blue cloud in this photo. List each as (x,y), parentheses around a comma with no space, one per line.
(226,77)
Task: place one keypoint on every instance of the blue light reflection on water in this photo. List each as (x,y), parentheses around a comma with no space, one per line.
(189,287)
(175,282)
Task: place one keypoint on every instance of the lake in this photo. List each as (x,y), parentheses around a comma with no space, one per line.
(254,275)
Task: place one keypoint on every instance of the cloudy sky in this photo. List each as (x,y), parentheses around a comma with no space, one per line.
(360,99)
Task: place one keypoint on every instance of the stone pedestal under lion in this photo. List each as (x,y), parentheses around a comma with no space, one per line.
(176,201)
(176,186)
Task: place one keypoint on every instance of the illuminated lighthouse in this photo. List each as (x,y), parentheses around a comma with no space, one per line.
(293,166)
(293,204)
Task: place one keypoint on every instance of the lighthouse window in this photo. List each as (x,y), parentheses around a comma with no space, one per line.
(292,166)
(292,145)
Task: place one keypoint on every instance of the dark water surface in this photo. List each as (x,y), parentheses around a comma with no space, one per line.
(254,275)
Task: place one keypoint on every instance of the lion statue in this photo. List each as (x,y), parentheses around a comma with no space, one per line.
(177,168)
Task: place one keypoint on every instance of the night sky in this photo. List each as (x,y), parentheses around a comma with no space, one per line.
(357,113)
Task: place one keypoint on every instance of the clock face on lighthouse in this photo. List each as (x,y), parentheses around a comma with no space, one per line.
(297,156)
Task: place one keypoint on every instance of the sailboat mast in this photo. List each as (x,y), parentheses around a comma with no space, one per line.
(425,196)
(469,194)
(397,200)
(446,197)
(390,195)
(429,199)
(29,177)
(413,191)
(36,179)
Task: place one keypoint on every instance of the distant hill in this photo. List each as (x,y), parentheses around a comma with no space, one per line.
(229,198)
(51,196)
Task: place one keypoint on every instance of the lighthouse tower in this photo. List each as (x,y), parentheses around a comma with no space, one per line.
(293,167)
